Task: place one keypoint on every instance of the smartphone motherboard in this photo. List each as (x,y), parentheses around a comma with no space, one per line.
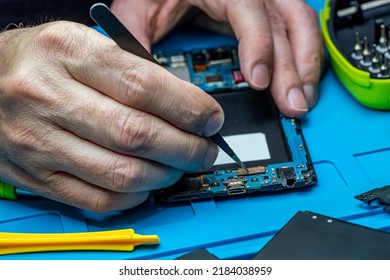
(271,145)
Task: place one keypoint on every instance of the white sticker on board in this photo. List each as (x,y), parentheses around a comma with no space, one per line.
(248,147)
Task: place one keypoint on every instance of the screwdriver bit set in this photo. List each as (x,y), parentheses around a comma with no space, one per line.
(373,58)
(357,36)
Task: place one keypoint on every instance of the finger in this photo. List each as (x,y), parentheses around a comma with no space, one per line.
(305,39)
(286,85)
(250,24)
(42,153)
(141,84)
(65,188)
(128,131)
(256,46)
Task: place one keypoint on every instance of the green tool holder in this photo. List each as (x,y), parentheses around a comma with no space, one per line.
(339,34)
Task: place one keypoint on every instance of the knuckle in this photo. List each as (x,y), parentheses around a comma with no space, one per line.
(199,108)
(264,41)
(25,88)
(267,42)
(192,115)
(21,139)
(313,64)
(302,11)
(277,22)
(61,38)
(288,67)
(313,58)
(101,202)
(30,145)
(195,154)
(309,13)
(133,131)
(24,139)
(125,175)
(21,83)
(135,82)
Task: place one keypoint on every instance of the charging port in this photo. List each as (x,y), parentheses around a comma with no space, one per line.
(236,186)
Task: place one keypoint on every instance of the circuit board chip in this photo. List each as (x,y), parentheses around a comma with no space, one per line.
(251,170)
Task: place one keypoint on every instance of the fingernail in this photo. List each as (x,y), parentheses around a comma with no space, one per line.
(214,124)
(310,92)
(211,156)
(297,100)
(260,76)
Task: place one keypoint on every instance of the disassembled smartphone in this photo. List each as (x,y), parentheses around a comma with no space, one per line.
(271,145)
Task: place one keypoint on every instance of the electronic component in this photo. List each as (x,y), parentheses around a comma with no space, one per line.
(286,176)
(214,80)
(357,36)
(237,76)
(251,170)
(180,71)
(162,60)
(220,56)
(212,70)
(177,60)
(236,185)
(199,61)
(175,63)
(380,195)
(271,145)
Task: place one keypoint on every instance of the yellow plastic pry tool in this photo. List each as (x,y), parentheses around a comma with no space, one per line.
(113,240)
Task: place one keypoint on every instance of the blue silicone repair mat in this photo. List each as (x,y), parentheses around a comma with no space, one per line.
(350,149)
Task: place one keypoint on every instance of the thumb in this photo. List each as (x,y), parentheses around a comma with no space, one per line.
(134,17)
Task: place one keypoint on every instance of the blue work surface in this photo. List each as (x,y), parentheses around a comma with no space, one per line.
(350,148)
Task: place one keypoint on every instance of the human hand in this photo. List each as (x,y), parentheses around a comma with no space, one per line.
(279,42)
(86,123)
